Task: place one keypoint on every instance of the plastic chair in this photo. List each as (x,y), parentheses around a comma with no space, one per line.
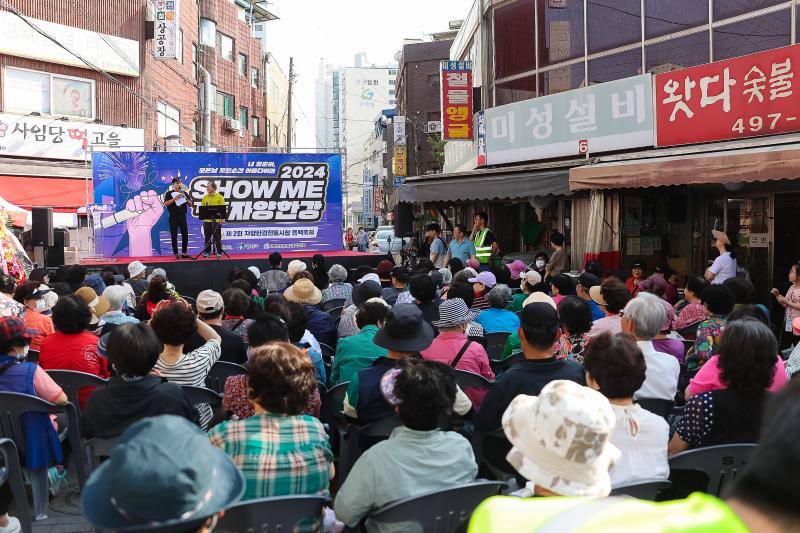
(201,395)
(720,464)
(72,381)
(478,441)
(327,358)
(644,489)
(480,340)
(470,379)
(264,515)
(502,365)
(443,511)
(349,454)
(11,473)
(98,449)
(657,406)
(496,343)
(333,304)
(12,405)
(336,313)
(220,372)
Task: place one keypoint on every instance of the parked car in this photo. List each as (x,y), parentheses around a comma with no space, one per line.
(385,242)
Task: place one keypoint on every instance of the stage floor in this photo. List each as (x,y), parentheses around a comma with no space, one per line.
(190,276)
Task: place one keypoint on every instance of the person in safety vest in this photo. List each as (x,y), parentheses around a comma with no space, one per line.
(486,246)
(764,498)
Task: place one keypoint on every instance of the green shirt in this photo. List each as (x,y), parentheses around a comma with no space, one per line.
(699,513)
(355,353)
(516,302)
(213,199)
(513,344)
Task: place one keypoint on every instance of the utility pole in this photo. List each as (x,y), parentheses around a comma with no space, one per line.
(289,124)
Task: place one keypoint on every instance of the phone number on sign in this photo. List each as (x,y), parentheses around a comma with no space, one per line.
(757,123)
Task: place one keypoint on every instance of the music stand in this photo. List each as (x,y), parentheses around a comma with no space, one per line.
(213,212)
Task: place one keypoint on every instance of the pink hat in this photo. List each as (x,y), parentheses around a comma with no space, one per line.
(517,267)
(473,263)
(667,325)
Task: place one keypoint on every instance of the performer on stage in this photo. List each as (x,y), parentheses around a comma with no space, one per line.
(176,200)
(209,228)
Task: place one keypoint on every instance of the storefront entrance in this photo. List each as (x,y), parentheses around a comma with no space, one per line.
(786,237)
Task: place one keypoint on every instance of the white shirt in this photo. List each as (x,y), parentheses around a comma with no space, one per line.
(642,437)
(661,377)
(724,267)
(312,341)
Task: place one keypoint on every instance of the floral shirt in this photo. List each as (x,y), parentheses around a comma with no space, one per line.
(336,291)
(706,343)
(572,347)
(236,400)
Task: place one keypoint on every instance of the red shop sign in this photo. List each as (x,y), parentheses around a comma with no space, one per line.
(749,96)
(456,96)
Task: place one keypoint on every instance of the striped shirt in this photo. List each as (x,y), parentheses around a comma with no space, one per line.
(192,369)
(337,291)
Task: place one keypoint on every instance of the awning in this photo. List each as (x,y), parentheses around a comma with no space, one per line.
(487,184)
(64,195)
(765,163)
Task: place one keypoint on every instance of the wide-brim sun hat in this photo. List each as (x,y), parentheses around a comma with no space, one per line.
(141,488)
(135,268)
(453,313)
(539,297)
(98,304)
(561,439)
(597,296)
(405,330)
(303,291)
(721,236)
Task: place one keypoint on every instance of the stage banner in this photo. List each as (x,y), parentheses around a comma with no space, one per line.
(277,202)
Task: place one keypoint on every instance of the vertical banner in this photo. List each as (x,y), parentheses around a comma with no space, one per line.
(456,100)
(276,202)
(166,26)
(400,131)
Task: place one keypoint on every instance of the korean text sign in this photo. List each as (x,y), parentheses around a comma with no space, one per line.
(280,202)
(609,116)
(748,96)
(456,86)
(166,29)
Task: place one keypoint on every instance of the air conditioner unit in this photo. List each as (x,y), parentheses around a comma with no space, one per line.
(232,124)
(433,127)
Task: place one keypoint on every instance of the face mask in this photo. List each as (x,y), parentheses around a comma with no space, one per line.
(24,355)
(40,305)
(540,263)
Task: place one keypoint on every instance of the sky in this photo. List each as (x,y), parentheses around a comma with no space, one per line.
(338,30)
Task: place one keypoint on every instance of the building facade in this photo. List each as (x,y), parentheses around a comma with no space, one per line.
(531,54)
(277,93)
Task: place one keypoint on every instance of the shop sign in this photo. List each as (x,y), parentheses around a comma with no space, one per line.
(609,116)
(400,130)
(108,52)
(400,160)
(456,97)
(480,119)
(377,200)
(49,138)
(759,240)
(166,26)
(748,96)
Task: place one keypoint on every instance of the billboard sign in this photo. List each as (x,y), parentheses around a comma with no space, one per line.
(456,98)
(400,168)
(747,96)
(400,130)
(609,116)
(166,26)
(277,202)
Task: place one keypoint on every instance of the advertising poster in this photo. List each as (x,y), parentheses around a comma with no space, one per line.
(456,98)
(276,202)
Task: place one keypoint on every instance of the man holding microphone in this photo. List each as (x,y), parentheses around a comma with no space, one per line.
(213,227)
(176,200)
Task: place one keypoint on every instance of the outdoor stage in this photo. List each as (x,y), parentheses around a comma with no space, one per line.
(190,277)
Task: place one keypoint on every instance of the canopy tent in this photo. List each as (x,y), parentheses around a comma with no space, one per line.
(17,215)
(21,218)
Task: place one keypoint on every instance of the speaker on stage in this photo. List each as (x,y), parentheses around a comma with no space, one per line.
(55,253)
(42,226)
(403,220)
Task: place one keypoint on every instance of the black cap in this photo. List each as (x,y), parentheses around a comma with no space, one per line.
(405,330)
(538,313)
(588,280)
(366,290)
(638,264)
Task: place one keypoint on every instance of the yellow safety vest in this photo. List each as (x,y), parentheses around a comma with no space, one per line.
(483,253)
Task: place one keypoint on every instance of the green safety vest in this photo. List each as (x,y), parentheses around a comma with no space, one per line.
(699,513)
(483,253)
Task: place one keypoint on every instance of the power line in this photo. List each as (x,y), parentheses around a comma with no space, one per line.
(116,81)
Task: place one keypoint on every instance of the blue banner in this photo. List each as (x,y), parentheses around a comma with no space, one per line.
(276,202)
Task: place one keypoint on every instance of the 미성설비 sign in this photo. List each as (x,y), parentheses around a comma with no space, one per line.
(456,98)
(747,96)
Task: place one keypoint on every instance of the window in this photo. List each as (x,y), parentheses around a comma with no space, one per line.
(391,92)
(197,134)
(662,18)
(392,82)
(224,46)
(275,133)
(730,8)
(254,78)
(179,49)
(243,117)
(392,72)
(267,130)
(242,65)
(224,105)
(624,16)
(195,61)
(254,129)
(515,40)
(169,119)
(208,30)
(28,91)
(753,35)
(434,116)
(433,79)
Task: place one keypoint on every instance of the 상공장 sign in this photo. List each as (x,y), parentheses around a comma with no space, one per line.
(456,97)
(747,96)
(609,116)
(166,43)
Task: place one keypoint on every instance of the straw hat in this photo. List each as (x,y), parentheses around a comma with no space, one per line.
(303,292)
